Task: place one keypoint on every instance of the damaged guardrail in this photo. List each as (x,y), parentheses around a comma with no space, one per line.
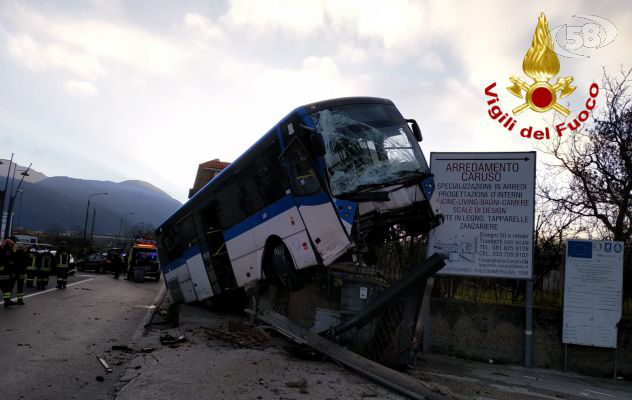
(414,276)
(381,374)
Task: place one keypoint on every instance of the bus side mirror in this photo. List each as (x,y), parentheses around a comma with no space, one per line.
(318,144)
(416,130)
(316,140)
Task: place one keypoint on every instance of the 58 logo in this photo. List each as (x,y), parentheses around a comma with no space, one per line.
(592,35)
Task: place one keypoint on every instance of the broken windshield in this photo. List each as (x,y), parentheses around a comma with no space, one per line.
(367,145)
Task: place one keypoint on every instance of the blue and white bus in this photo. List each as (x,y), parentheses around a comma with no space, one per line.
(324,184)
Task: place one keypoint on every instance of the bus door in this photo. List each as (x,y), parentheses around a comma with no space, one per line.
(198,274)
(323,224)
(215,253)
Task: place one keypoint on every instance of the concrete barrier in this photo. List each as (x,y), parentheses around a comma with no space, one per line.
(494,331)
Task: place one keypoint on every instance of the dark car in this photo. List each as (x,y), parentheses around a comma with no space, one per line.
(94,262)
(115,252)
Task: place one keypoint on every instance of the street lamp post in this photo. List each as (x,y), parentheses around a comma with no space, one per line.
(85,224)
(121,226)
(21,192)
(94,216)
(7,229)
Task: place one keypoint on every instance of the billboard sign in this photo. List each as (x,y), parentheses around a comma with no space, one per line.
(487,200)
(593,286)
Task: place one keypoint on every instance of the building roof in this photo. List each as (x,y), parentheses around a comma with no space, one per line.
(215,164)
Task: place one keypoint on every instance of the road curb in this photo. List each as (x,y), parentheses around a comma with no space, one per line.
(149,315)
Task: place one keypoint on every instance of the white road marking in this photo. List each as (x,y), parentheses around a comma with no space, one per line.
(50,290)
(603,394)
(85,275)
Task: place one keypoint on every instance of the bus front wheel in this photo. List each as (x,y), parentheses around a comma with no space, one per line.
(283,268)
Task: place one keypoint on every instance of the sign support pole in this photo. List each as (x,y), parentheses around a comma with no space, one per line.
(425,307)
(565,356)
(616,356)
(528,331)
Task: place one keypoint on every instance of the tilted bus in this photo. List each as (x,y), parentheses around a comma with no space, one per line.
(330,179)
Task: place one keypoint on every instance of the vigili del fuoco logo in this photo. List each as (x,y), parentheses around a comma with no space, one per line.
(541,64)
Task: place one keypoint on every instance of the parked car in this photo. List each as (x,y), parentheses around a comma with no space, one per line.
(42,247)
(94,262)
(115,252)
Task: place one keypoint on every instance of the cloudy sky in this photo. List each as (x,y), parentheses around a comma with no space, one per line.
(148,89)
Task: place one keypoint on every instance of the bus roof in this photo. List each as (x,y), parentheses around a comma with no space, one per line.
(235,165)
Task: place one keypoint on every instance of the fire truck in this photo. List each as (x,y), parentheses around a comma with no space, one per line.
(142,261)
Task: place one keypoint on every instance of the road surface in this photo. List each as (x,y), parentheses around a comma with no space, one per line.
(49,347)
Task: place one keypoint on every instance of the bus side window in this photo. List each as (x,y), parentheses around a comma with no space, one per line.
(186,232)
(249,182)
(305,181)
(272,178)
(232,204)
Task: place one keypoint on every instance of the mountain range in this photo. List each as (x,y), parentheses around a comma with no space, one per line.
(59,203)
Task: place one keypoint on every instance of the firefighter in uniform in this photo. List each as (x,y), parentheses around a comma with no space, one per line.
(22,261)
(32,267)
(6,271)
(46,264)
(61,259)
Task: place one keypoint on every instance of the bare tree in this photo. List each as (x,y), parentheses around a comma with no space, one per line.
(591,176)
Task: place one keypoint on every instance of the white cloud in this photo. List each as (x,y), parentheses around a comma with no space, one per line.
(431,62)
(89,48)
(395,24)
(46,56)
(351,54)
(202,25)
(299,16)
(82,88)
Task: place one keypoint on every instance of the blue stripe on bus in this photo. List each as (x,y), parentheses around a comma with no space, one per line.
(180,261)
(173,265)
(283,204)
(274,209)
(312,200)
(192,251)
(280,136)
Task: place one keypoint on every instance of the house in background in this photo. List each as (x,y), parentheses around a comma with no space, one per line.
(207,171)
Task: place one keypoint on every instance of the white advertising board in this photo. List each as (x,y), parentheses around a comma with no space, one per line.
(593,286)
(487,201)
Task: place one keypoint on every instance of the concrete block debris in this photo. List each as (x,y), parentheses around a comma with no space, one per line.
(104,364)
(243,338)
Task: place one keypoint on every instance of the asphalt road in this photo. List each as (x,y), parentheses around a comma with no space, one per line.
(49,347)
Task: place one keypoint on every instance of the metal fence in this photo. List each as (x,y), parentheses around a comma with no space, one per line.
(548,290)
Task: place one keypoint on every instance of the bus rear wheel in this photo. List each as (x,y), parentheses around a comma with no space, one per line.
(283,268)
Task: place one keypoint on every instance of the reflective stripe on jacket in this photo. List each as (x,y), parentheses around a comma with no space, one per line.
(33,265)
(47,262)
(62,259)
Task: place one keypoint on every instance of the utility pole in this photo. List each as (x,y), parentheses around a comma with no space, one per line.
(21,192)
(94,215)
(25,173)
(121,226)
(85,224)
